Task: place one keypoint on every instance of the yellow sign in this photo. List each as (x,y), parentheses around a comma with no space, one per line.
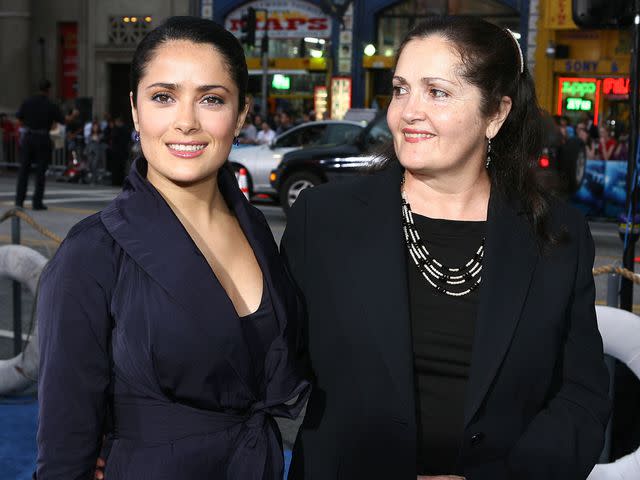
(254,63)
(591,67)
(559,15)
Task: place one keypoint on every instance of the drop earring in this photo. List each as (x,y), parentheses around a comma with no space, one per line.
(236,141)
(136,137)
(488,162)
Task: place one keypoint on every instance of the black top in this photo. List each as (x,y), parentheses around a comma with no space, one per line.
(39,113)
(443,328)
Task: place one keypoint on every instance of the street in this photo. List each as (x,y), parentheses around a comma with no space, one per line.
(70,203)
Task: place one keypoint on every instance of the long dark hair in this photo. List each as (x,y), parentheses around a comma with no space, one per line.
(196,30)
(491,61)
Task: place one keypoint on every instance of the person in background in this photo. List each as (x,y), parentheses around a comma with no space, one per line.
(38,116)
(257,121)
(248,133)
(590,145)
(119,151)
(96,152)
(286,122)
(450,321)
(9,138)
(265,135)
(606,143)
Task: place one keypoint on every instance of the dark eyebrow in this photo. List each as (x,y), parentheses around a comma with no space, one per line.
(428,80)
(176,86)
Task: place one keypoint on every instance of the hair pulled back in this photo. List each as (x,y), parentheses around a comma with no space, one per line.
(491,62)
(196,30)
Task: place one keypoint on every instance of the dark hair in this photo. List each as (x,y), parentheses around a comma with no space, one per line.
(491,61)
(196,30)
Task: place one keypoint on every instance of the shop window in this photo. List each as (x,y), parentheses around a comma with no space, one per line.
(394,22)
(129,29)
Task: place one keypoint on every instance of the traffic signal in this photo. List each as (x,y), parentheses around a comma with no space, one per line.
(602,13)
(248,28)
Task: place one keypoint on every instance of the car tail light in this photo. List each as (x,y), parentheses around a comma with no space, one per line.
(543,161)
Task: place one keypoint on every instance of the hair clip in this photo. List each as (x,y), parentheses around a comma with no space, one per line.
(520,56)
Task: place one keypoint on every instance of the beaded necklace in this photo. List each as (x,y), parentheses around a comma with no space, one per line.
(464,279)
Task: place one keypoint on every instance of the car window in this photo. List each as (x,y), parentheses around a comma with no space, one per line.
(313,135)
(340,133)
(378,134)
(301,137)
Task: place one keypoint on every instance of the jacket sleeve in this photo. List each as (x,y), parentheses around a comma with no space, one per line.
(74,333)
(565,440)
(293,252)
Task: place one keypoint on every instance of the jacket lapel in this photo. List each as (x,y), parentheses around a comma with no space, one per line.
(381,265)
(510,260)
(144,225)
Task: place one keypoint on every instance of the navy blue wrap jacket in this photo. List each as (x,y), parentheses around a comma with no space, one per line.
(139,341)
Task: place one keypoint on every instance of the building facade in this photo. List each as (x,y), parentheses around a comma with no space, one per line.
(84,47)
(349,28)
(316,55)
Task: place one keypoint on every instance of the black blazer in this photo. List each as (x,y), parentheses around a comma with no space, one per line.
(537,402)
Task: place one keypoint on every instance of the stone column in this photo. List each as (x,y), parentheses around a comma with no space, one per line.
(15,53)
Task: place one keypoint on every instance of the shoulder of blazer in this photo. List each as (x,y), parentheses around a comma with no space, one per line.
(90,249)
(364,187)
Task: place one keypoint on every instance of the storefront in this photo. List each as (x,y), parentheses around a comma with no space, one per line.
(582,70)
(394,21)
(299,53)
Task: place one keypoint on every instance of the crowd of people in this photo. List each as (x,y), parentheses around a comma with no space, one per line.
(607,141)
(102,145)
(258,130)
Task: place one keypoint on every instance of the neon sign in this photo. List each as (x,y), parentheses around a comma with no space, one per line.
(616,86)
(578,89)
(579,104)
(577,94)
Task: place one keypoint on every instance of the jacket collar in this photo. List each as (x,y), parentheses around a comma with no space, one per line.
(143,224)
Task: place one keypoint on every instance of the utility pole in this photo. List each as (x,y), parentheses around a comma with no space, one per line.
(631,230)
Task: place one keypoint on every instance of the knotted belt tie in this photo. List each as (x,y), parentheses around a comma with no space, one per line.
(155,422)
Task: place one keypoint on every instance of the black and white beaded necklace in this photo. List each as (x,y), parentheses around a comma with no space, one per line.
(464,279)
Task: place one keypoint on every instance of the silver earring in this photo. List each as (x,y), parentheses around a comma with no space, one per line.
(136,137)
(488,162)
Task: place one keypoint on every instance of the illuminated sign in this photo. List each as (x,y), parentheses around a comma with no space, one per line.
(579,104)
(577,94)
(281,82)
(285,19)
(616,86)
(578,89)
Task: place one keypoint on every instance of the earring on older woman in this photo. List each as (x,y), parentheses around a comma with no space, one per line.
(488,162)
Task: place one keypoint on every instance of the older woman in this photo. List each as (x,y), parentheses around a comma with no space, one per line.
(450,302)
(165,319)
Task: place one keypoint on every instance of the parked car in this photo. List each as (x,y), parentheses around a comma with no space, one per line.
(561,166)
(259,160)
(311,166)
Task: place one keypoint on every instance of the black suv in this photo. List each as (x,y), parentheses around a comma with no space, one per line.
(311,166)
(560,167)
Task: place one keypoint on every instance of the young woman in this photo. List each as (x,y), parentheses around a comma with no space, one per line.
(166,320)
(450,303)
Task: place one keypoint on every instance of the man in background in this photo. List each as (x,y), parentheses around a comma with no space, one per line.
(38,115)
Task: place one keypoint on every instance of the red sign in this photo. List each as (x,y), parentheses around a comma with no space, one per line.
(616,86)
(68,60)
